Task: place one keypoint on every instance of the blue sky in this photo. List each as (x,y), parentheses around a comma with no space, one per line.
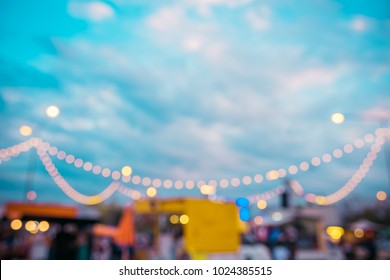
(194,90)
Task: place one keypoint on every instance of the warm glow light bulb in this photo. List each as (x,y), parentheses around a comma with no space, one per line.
(381,195)
(16,224)
(52,111)
(262,204)
(337,118)
(184,219)
(25,130)
(151,192)
(127,170)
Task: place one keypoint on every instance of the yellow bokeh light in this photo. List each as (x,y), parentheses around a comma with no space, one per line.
(262,204)
(272,175)
(174,219)
(321,200)
(337,118)
(335,232)
(151,192)
(25,130)
(359,233)
(16,224)
(381,195)
(52,111)
(127,170)
(43,226)
(184,219)
(31,226)
(207,189)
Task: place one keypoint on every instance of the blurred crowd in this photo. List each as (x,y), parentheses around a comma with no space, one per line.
(67,242)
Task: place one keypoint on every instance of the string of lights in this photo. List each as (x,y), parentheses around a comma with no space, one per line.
(353,182)
(126,173)
(67,188)
(44,149)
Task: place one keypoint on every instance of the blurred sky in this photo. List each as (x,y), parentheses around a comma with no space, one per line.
(194,89)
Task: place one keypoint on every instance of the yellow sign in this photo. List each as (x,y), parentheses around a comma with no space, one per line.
(209,226)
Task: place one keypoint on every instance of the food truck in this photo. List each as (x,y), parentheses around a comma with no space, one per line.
(188,228)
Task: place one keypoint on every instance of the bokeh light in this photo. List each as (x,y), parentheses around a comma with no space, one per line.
(381,196)
(335,232)
(126,170)
(31,226)
(359,233)
(293,169)
(106,172)
(244,214)
(52,111)
(151,192)
(258,220)
(146,181)
(207,190)
(31,195)
(156,183)
(224,183)
(258,178)
(246,180)
(277,216)
(168,184)
(16,224)
(25,130)
(272,175)
(44,226)
(174,219)
(304,166)
(337,118)
(235,182)
(262,204)
(190,184)
(242,202)
(184,219)
(179,184)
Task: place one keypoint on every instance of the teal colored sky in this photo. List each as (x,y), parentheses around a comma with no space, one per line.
(194,89)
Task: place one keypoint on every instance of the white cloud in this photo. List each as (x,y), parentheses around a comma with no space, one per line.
(93,11)
(205,7)
(379,113)
(259,19)
(166,19)
(311,77)
(192,43)
(360,24)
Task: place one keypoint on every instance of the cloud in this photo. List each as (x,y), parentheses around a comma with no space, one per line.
(167,18)
(94,11)
(197,90)
(360,24)
(205,7)
(378,113)
(259,19)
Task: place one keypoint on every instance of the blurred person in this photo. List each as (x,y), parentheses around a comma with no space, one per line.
(179,246)
(102,249)
(348,249)
(40,247)
(64,244)
(281,251)
(166,245)
(82,246)
(273,237)
(291,239)
(370,245)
